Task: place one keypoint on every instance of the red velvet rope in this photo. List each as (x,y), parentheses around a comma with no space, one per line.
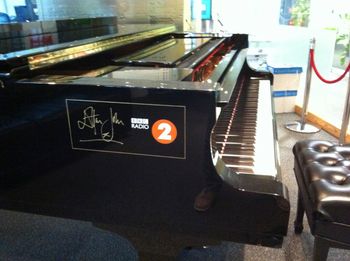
(313,65)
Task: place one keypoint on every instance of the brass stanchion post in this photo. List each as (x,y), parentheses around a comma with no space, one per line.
(301,126)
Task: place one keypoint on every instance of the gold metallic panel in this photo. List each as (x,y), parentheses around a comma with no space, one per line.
(46,59)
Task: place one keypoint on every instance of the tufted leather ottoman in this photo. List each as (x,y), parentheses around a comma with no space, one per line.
(322,170)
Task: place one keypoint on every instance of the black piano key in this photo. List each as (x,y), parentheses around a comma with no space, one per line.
(234,160)
(239,151)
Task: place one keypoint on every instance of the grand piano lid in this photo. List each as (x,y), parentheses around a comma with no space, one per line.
(121,83)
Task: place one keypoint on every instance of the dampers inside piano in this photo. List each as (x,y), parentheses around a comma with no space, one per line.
(124,131)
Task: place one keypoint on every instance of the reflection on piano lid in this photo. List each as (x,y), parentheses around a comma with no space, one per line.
(157,74)
(122,82)
(166,53)
(46,59)
(119,73)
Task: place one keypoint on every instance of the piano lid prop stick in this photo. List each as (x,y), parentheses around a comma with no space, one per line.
(346,114)
(301,126)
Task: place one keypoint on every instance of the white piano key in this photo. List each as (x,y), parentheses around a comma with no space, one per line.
(263,138)
(264,159)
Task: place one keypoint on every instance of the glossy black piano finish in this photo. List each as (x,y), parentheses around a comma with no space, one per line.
(44,175)
(129,153)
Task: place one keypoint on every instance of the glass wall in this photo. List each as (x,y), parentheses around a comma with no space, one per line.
(18,11)
(127,11)
(295,12)
(283,28)
(27,24)
(327,100)
(33,10)
(65,9)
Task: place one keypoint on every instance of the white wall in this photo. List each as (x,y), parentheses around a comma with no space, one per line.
(249,16)
(2,7)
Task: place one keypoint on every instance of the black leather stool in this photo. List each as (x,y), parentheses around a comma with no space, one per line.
(322,170)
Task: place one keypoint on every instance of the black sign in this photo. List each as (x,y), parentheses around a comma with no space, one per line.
(130,128)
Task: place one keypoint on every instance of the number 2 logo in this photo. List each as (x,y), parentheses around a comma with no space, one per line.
(164,131)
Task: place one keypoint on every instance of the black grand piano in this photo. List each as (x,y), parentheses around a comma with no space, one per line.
(121,129)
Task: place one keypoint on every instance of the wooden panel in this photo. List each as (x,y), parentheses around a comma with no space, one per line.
(321,123)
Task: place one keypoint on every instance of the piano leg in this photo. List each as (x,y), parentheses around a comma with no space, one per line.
(212,182)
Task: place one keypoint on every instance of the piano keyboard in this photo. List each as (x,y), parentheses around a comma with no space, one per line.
(244,132)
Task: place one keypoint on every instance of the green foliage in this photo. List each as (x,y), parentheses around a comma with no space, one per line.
(343,39)
(300,13)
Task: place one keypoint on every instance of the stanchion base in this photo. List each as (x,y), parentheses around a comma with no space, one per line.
(297,126)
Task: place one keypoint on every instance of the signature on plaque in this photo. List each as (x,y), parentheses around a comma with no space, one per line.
(102,128)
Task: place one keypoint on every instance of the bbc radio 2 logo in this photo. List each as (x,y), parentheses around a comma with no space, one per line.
(139,123)
(163,131)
